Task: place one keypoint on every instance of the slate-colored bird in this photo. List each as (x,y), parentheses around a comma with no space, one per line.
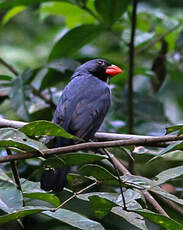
(81,110)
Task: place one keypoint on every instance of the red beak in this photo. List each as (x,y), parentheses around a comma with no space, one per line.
(113,70)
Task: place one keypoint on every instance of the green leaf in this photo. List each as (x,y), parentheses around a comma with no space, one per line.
(5,78)
(72,159)
(81,36)
(10,137)
(38,128)
(32,190)
(178,145)
(133,218)
(20,94)
(10,197)
(175,128)
(130,199)
(172,147)
(111,10)
(161,220)
(137,181)
(20,213)
(11,13)
(74,15)
(100,173)
(57,71)
(130,196)
(74,219)
(50,198)
(113,197)
(100,206)
(168,174)
(10,3)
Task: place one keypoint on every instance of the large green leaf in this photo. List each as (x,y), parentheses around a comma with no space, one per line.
(130,199)
(137,181)
(164,221)
(74,15)
(38,128)
(73,159)
(25,211)
(11,13)
(168,174)
(133,218)
(130,196)
(10,137)
(59,70)
(74,219)
(10,197)
(10,3)
(100,206)
(32,190)
(20,94)
(81,36)
(100,173)
(111,10)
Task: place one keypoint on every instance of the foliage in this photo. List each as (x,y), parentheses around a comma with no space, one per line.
(46,40)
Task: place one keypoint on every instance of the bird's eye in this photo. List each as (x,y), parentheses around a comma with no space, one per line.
(100,62)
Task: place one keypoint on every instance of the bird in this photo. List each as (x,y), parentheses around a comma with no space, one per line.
(80,111)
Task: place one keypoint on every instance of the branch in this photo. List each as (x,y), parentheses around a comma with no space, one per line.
(131,70)
(147,195)
(9,67)
(101,136)
(91,145)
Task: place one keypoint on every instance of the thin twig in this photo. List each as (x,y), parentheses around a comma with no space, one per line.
(130,78)
(9,67)
(74,195)
(131,69)
(119,179)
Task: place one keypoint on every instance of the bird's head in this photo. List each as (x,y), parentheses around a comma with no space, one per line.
(99,68)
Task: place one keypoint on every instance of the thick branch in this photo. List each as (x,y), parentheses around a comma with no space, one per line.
(101,136)
(91,145)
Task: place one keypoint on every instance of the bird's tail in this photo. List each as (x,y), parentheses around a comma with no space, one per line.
(56,179)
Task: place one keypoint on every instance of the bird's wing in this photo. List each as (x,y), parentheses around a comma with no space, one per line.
(88,116)
(83,106)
